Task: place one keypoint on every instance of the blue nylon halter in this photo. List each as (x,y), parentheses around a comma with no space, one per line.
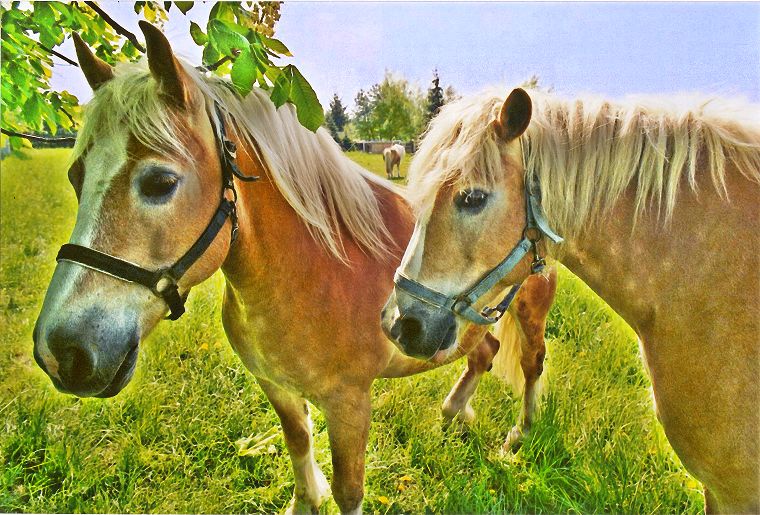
(462,304)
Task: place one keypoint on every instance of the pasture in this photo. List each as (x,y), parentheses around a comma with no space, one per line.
(193,432)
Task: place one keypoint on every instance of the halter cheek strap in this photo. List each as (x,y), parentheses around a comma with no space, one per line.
(535,226)
(164,282)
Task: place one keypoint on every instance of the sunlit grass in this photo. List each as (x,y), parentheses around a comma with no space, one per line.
(167,442)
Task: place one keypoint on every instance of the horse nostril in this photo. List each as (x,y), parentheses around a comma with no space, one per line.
(409,331)
(76,364)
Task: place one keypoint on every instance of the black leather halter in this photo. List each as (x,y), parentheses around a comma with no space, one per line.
(163,282)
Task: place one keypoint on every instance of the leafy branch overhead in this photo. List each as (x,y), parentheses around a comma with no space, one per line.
(238,42)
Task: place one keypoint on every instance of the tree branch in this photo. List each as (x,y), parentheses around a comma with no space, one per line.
(214,66)
(61,56)
(40,139)
(115,26)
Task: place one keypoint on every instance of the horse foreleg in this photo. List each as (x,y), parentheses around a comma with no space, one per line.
(457,404)
(311,487)
(531,309)
(348,416)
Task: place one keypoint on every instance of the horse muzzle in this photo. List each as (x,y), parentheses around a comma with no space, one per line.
(89,357)
(421,331)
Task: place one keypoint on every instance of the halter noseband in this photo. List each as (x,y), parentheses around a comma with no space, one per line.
(535,227)
(163,282)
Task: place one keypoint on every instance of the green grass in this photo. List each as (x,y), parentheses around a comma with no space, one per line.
(167,442)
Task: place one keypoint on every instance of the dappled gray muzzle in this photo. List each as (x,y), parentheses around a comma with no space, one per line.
(88,355)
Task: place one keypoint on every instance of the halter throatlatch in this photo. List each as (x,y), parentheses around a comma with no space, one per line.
(164,282)
(536,227)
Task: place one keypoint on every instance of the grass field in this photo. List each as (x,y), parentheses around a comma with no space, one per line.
(167,442)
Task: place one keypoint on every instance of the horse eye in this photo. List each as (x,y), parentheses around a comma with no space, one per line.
(471,201)
(156,185)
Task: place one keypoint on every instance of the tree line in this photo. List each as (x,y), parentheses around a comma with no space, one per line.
(392,109)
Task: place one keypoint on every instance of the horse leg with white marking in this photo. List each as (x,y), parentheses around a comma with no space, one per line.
(311,488)
(530,311)
(457,403)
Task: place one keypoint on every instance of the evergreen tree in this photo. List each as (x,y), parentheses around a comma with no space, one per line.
(338,113)
(330,125)
(434,96)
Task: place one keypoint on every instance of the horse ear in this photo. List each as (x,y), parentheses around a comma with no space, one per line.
(164,67)
(514,116)
(96,71)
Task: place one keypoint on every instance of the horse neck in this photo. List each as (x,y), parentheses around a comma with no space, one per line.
(608,257)
(271,238)
(275,251)
(657,269)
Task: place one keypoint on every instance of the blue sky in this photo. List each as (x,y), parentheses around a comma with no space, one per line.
(611,49)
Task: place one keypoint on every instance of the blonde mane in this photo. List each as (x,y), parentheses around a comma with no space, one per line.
(327,190)
(587,152)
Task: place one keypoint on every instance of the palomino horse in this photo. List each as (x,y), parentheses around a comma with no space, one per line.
(308,253)
(392,157)
(658,203)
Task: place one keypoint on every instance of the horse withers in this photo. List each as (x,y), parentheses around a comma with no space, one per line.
(164,171)
(657,199)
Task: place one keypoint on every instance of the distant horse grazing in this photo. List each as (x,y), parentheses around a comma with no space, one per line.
(393,156)
(659,206)
(308,253)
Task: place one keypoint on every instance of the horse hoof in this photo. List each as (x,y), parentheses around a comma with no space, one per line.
(461,416)
(301,508)
(514,440)
(311,500)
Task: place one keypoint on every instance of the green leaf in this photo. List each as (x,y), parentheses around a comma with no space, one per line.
(309,110)
(244,72)
(276,45)
(69,98)
(211,55)
(32,111)
(43,14)
(130,51)
(222,11)
(184,6)
(224,38)
(280,90)
(197,34)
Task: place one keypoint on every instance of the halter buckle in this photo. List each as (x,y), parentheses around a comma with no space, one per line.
(462,299)
(537,265)
(164,283)
(488,311)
